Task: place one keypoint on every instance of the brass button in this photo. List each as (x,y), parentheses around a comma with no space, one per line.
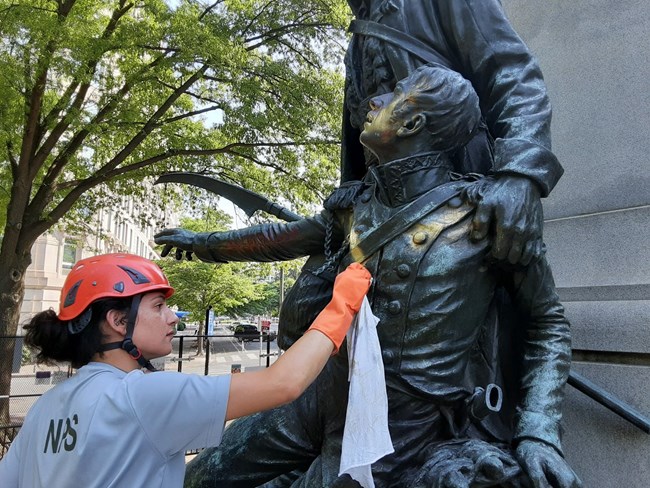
(394,307)
(420,237)
(403,270)
(360,229)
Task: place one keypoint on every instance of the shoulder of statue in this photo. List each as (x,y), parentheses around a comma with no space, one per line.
(345,196)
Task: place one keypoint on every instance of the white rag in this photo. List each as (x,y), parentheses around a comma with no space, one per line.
(365,437)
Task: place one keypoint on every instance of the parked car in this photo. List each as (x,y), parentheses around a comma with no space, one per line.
(250,332)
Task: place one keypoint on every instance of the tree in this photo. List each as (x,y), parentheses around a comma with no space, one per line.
(270,281)
(98,95)
(198,285)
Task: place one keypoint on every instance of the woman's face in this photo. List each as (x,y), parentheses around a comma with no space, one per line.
(155,326)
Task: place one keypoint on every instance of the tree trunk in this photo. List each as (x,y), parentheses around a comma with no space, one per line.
(12,292)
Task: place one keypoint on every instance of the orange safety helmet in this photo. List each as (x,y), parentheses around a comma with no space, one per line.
(109,275)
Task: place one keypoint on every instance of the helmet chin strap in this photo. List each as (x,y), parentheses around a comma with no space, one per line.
(127,344)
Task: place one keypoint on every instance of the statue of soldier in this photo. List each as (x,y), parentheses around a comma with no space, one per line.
(390,39)
(434,293)
(393,37)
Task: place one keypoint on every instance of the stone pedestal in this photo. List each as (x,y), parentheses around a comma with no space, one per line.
(595,56)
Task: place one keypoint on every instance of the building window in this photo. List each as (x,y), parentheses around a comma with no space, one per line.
(69,254)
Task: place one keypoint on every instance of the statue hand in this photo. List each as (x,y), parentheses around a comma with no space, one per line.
(490,469)
(511,206)
(181,239)
(545,467)
(467,464)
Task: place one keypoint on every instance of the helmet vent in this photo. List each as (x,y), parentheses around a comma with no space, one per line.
(78,324)
(137,277)
(72,294)
(119,287)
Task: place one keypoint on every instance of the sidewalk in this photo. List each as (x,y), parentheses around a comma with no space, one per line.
(246,355)
(220,363)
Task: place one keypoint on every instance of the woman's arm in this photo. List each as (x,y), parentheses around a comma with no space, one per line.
(297,368)
(284,381)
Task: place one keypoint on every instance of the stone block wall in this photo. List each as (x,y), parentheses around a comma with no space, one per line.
(595,55)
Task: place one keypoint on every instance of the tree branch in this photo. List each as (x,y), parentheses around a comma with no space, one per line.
(277,168)
(37,228)
(28,7)
(218,80)
(209,8)
(299,53)
(90,68)
(278,38)
(22,185)
(38,203)
(186,115)
(188,92)
(252,21)
(280,31)
(60,104)
(12,159)
(169,153)
(166,50)
(48,186)
(150,125)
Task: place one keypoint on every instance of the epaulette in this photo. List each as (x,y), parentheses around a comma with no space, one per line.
(344,196)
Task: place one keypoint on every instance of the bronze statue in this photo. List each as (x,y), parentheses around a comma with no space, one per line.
(436,294)
(474,38)
(513,143)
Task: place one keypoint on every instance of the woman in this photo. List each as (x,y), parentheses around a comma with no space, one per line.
(111,424)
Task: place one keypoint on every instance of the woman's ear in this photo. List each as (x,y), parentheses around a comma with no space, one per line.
(413,125)
(116,322)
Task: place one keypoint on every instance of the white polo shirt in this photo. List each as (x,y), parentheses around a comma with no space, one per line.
(106,428)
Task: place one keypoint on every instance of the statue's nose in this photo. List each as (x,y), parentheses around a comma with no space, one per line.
(376,103)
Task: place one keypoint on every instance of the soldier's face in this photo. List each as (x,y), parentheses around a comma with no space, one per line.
(380,131)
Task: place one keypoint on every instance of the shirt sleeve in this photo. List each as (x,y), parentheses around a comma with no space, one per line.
(10,464)
(179,412)
(278,241)
(546,356)
(510,86)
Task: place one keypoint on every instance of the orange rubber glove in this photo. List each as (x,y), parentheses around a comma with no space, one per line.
(349,289)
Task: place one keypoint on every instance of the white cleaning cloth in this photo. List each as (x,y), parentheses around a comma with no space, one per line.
(365,437)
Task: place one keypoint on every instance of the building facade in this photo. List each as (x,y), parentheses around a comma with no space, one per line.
(117,229)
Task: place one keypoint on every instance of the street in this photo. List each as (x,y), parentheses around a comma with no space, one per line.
(225,351)
(224,343)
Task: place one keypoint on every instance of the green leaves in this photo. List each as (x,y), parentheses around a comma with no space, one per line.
(199,285)
(95,92)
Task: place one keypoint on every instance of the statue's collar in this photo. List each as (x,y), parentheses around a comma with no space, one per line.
(374,9)
(403,180)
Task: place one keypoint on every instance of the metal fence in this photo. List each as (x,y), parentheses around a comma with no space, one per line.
(24,381)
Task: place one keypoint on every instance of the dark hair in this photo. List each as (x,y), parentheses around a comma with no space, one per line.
(447,100)
(55,343)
